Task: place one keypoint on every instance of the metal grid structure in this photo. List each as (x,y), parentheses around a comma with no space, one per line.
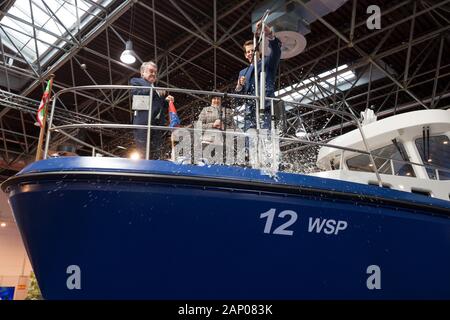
(405,64)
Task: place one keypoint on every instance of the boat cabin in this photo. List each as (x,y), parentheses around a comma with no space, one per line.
(411,152)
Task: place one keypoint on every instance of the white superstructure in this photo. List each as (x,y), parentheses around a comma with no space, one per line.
(411,151)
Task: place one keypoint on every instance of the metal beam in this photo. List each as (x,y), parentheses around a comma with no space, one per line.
(38,60)
(188,18)
(113,16)
(189,37)
(57,36)
(55,17)
(363,53)
(19,52)
(411,33)
(352,24)
(436,77)
(164,16)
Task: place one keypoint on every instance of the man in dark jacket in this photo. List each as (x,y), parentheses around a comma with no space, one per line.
(246,80)
(149,72)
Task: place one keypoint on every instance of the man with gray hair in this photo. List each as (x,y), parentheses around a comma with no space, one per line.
(149,73)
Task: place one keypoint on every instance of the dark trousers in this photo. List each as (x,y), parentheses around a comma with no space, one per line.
(250,116)
(250,122)
(140,137)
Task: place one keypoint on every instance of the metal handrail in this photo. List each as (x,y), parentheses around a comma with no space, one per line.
(99,87)
(236,133)
(231,132)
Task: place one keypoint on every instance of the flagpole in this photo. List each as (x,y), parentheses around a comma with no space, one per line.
(44,122)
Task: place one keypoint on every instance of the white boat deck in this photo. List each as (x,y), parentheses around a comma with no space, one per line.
(407,130)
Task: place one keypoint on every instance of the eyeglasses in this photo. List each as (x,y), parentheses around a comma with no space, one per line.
(151,71)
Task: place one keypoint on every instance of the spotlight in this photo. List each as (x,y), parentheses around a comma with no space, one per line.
(128,55)
(135,155)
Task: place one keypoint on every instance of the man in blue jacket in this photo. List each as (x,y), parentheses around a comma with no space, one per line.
(149,73)
(246,80)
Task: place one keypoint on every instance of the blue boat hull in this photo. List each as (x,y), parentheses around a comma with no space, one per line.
(162,231)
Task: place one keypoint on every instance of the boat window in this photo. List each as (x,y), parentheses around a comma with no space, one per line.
(384,185)
(422,192)
(395,153)
(435,151)
(335,164)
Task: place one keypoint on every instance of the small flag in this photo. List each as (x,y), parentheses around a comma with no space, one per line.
(44,101)
(173,116)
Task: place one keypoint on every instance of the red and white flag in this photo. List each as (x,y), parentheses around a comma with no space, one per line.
(44,102)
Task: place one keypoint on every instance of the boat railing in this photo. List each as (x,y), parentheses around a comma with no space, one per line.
(275,149)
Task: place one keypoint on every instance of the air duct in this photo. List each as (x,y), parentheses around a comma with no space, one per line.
(291,21)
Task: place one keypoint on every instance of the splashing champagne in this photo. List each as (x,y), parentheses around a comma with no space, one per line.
(234,147)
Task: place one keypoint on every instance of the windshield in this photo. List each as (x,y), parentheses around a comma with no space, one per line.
(394,165)
(435,151)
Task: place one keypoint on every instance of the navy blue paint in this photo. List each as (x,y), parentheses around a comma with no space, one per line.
(146,240)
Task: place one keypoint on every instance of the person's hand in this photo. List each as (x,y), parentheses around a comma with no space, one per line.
(267,30)
(170,98)
(217,124)
(242,80)
(240,83)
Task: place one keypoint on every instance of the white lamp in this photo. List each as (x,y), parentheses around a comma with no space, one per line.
(128,55)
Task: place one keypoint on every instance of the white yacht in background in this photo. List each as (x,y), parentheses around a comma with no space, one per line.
(419,137)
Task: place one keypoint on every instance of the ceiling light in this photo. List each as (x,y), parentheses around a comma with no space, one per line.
(128,55)
(301,133)
(3,224)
